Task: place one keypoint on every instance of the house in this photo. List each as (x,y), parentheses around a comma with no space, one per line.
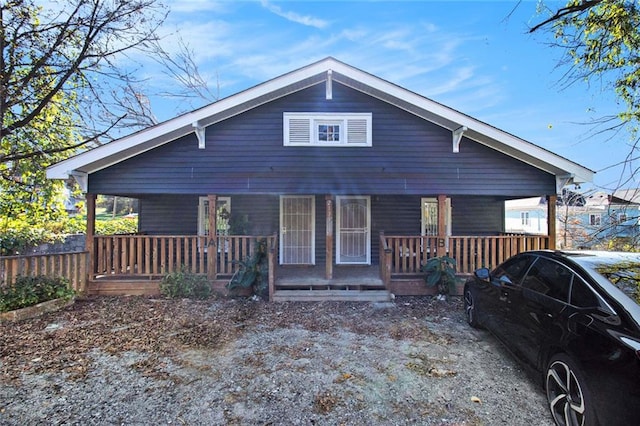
(598,220)
(611,220)
(526,216)
(580,223)
(343,173)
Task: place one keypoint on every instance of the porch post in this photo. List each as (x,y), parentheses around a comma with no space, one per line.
(551,220)
(329,237)
(91,230)
(441,249)
(271,258)
(212,244)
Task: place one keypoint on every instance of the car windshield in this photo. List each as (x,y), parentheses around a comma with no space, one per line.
(623,271)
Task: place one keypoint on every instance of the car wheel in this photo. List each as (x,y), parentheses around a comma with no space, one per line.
(567,393)
(470,308)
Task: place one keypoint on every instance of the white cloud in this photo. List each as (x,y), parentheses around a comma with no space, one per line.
(309,21)
(423,57)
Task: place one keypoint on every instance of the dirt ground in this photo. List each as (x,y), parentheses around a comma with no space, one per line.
(136,360)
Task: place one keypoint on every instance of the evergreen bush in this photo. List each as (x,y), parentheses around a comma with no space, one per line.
(29,291)
(185,284)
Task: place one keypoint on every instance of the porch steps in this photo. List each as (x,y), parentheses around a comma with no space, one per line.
(331,295)
(355,290)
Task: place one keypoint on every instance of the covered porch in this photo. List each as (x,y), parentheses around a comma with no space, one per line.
(135,264)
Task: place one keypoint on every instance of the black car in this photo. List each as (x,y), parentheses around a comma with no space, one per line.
(573,319)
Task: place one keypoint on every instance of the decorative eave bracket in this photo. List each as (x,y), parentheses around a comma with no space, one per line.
(82,178)
(200,134)
(457,137)
(329,88)
(562,181)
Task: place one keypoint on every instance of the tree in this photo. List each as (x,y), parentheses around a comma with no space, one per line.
(26,193)
(601,43)
(68,80)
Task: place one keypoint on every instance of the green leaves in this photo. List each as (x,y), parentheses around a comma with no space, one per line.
(253,272)
(602,42)
(29,291)
(185,284)
(440,271)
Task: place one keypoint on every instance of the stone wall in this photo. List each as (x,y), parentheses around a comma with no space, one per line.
(70,244)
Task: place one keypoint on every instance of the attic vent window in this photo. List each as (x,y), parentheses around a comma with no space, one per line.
(334,129)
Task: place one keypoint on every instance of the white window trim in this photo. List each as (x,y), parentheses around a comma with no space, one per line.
(315,119)
(203,218)
(447,224)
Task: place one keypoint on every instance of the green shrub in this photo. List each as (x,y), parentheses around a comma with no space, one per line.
(19,239)
(28,291)
(253,272)
(17,236)
(117,226)
(440,271)
(185,284)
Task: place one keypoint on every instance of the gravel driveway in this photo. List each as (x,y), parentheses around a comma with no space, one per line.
(135,360)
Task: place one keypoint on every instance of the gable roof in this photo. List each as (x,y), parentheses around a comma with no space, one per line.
(626,196)
(326,70)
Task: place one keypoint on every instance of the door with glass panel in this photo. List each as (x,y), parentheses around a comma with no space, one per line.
(430,222)
(297,230)
(353,239)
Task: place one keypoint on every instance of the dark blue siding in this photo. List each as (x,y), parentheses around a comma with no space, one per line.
(394,214)
(477,216)
(245,155)
(168,215)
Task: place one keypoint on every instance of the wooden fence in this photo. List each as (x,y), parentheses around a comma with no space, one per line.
(72,266)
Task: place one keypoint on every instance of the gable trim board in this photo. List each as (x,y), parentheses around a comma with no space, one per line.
(325,71)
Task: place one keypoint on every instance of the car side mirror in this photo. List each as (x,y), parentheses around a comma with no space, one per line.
(482,274)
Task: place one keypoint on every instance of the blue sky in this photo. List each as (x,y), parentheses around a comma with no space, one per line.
(473,56)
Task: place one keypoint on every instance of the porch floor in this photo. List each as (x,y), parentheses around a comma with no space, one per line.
(342,275)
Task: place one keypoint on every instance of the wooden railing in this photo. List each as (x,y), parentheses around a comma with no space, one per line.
(404,255)
(72,266)
(156,255)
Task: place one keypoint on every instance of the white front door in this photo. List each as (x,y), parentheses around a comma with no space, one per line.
(297,230)
(353,239)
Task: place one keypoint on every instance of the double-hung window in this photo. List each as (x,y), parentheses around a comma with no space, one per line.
(327,129)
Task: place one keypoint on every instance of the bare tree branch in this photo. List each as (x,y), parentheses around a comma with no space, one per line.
(565,11)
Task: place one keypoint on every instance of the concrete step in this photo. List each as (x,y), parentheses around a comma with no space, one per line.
(330,285)
(331,295)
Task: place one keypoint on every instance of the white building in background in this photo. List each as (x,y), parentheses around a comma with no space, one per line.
(526,216)
(582,221)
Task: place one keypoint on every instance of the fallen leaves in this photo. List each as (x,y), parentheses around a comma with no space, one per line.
(430,367)
(325,402)
(64,340)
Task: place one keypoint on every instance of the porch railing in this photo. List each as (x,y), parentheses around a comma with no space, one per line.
(404,255)
(72,266)
(155,255)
